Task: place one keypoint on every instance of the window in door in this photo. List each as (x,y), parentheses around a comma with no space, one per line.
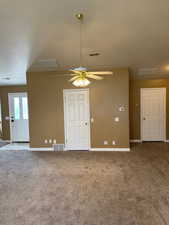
(16,108)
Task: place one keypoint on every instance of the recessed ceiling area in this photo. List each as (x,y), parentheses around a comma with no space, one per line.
(129,33)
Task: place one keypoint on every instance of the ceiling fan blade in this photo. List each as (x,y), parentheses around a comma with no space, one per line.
(74,78)
(102,72)
(75,71)
(94,76)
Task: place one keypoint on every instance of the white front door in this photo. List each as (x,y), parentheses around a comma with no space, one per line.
(153,113)
(77,119)
(18,112)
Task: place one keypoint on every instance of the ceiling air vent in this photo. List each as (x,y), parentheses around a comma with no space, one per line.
(45,64)
(94,54)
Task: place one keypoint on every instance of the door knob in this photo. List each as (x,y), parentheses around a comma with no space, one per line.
(86,123)
(144,118)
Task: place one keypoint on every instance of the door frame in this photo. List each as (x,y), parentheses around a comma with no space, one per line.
(163,89)
(9,105)
(65,119)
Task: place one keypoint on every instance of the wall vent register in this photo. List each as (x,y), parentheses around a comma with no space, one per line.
(58,147)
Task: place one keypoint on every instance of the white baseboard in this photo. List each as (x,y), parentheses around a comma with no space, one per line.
(136,141)
(140,141)
(110,149)
(75,149)
(41,149)
(92,149)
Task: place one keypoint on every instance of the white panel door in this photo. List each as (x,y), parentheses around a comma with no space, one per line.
(153,111)
(76,114)
(18,110)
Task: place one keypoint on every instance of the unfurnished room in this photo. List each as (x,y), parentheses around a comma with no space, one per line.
(84,112)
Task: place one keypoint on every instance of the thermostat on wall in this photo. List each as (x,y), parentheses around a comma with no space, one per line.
(122,108)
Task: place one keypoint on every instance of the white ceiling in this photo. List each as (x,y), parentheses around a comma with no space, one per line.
(127,33)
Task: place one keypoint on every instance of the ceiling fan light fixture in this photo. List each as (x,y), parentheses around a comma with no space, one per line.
(81,82)
(80,74)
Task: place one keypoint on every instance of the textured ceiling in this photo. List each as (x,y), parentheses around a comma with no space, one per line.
(127,33)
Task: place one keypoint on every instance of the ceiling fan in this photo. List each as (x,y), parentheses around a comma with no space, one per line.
(80,74)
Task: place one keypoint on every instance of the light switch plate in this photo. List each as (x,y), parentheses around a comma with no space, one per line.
(121,109)
(116,119)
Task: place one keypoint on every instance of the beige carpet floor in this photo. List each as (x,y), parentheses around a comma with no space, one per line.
(85,188)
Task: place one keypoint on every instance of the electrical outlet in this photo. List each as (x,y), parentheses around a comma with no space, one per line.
(45,141)
(54,141)
(50,141)
(113,143)
(105,142)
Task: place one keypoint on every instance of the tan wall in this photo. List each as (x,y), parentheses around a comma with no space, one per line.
(4,90)
(135,86)
(98,94)
(46,108)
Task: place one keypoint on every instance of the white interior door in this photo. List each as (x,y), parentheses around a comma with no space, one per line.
(153,114)
(18,110)
(77,119)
